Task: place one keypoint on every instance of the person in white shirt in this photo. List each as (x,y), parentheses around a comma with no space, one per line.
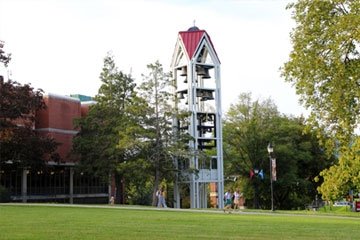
(161,198)
(237,196)
(228,200)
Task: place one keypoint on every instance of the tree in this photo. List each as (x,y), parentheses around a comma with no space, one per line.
(4,58)
(19,142)
(324,66)
(155,89)
(245,137)
(342,177)
(248,127)
(111,135)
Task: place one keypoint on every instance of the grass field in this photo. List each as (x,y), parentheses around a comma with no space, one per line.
(86,222)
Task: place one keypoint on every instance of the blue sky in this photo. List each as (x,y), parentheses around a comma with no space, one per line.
(59,46)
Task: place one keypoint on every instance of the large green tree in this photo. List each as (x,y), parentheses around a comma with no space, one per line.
(156,90)
(324,66)
(248,128)
(246,136)
(111,135)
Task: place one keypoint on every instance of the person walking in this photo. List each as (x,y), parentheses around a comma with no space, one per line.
(161,198)
(237,196)
(112,200)
(158,196)
(227,198)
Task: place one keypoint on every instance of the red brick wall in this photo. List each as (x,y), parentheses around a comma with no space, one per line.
(85,108)
(42,116)
(65,146)
(60,112)
(57,121)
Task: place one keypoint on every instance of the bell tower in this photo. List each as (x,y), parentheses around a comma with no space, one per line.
(196,71)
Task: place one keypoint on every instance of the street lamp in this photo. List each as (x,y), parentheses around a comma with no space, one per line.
(270,150)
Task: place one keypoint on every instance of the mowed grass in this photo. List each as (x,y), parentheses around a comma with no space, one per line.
(53,222)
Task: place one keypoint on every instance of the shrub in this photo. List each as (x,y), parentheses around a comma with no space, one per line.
(4,194)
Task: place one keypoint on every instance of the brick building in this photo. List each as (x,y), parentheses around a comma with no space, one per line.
(59,181)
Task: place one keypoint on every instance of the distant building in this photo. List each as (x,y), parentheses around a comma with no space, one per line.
(59,181)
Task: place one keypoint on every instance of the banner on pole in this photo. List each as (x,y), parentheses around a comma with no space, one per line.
(273,169)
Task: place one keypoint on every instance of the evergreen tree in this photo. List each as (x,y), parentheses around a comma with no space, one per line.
(111,135)
(155,89)
(4,58)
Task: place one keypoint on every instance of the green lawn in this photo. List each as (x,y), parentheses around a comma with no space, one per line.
(52,222)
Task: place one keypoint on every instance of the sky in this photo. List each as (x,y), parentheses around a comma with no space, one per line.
(59,45)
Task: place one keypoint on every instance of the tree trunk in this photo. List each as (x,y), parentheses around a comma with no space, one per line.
(120,189)
(156,186)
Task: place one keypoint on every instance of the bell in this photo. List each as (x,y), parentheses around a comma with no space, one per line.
(181,95)
(206,74)
(200,71)
(207,96)
(183,71)
(203,71)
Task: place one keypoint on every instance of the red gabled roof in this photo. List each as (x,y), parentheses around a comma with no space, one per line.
(191,40)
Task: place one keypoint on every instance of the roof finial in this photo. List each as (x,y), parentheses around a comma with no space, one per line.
(193,28)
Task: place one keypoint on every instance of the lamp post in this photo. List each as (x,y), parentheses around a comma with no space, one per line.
(270,150)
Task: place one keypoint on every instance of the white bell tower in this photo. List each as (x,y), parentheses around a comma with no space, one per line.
(196,71)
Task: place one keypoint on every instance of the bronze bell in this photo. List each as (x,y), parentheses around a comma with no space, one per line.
(203,71)
(207,96)
(206,75)
(183,71)
(181,95)
(200,71)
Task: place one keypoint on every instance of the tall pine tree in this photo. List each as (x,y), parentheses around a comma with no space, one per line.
(111,135)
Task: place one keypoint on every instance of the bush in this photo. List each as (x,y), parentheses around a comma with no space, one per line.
(4,194)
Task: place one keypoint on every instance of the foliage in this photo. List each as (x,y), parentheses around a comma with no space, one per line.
(19,142)
(4,194)
(4,58)
(324,66)
(111,135)
(245,128)
(245,138)
(139,181)
(155,89)
(248,128)
(344,176)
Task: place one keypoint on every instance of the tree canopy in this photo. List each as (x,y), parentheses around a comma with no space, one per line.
(163,146)
(4,58)
(111,135)
(324,63)
(248,128)
(324,66)
(19,142)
